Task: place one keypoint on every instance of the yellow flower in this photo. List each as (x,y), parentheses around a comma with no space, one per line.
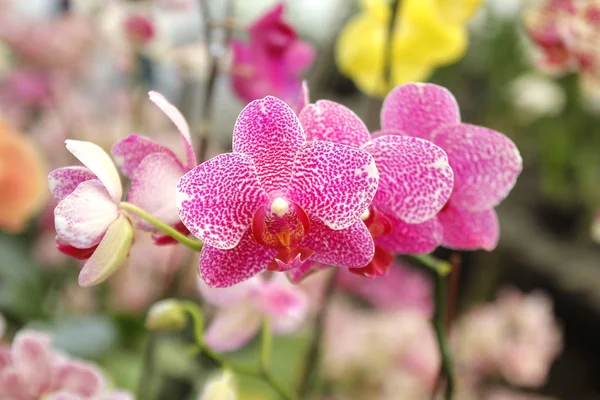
(427,34)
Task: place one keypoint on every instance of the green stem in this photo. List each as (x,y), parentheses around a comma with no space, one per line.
(169,230)
(266,340)
(147,366)
(389,55)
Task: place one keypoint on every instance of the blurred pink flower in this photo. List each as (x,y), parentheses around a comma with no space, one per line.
(272,61)
(277,199)
(139,29)
(241,308)
(32,370)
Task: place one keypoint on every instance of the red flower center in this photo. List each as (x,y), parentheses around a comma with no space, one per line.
(378,225)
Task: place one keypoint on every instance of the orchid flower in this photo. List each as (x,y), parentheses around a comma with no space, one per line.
(154,170)
(272,62)
(242,307)
(278,200)
(88,222)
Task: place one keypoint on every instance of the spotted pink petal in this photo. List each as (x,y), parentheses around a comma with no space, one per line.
(230,296)
(78,378)
(418,108)
(216,200)
(285,304)
(129,152)
(82,218)
(269,132)
(415,180)
(32,359)
(334,182)
(224,268)
(63,181)
(110,254)
(333,122)
(97,161)
(179,120)
(154,188)
(468,230)
(231,328)
(486,164)
(411,238)
(303,98)
(351,247)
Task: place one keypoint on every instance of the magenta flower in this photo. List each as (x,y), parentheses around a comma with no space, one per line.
(154,170)
(32,370)
(273,60)
(486,165)
(277,200)
(88,222)
(241,308)
(415,181)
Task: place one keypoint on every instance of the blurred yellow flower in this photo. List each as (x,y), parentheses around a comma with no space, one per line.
(427,34)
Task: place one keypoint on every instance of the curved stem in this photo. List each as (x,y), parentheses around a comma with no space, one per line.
(169,230)
(387,72)
(265,344)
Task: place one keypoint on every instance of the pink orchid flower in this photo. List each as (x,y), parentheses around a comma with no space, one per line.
(242,307)
(486,165)
(154,170)
(273,60)
(415,182)
(88,222)
(278,200)
(32,370)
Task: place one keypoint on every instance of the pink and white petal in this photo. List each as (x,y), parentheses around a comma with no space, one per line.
(12,387)
(97,161)
(469,230)
(303,98)
(63,395)
(333,182)
(63,181)
(131,151)
(179,120)
(230,296)
(82,218)
(110,254)
(216,200)
(78,378)
(415,179)
(270,133)
(333,122)
(116,395)
(285,304)
(154,188)
(418,108)
(486,164)
(231,328)
(225,268)
(411,238)
(32,360)
(351,247)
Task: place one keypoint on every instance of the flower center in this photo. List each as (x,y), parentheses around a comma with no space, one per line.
(377,223)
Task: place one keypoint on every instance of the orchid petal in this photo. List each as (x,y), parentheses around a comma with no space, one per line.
(285,304)
(334,182)
(411,238)
(351,247)
(110,254)
(78,378)
(269,132)
(333,122)
(131,151)
(486,164)
(153,188)
(32,358)
(179,120)
(232,328)
(63,395)
(298,57)
(82,218)
(229,296)
(415,180)
(418,108)
(11,385)
(224,268)
(63,181)
(469,230)
(97,161)
(216,200)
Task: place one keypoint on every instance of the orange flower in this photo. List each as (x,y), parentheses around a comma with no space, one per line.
(22,179)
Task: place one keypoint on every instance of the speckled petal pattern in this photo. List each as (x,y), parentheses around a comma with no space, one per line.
(154,188)
(216,200)
(467,230)
(224,268)
(333,122)
(486,164)
(411,238)
(97,161)
(415,179)
(418,108)
(63,181)
(270,133)
(83,217)
(334,182)
(351,247)
(129,152)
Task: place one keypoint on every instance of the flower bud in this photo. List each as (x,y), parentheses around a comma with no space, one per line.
(166,315)
(220,387)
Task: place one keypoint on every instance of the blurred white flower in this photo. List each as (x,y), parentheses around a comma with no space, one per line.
(534,96)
